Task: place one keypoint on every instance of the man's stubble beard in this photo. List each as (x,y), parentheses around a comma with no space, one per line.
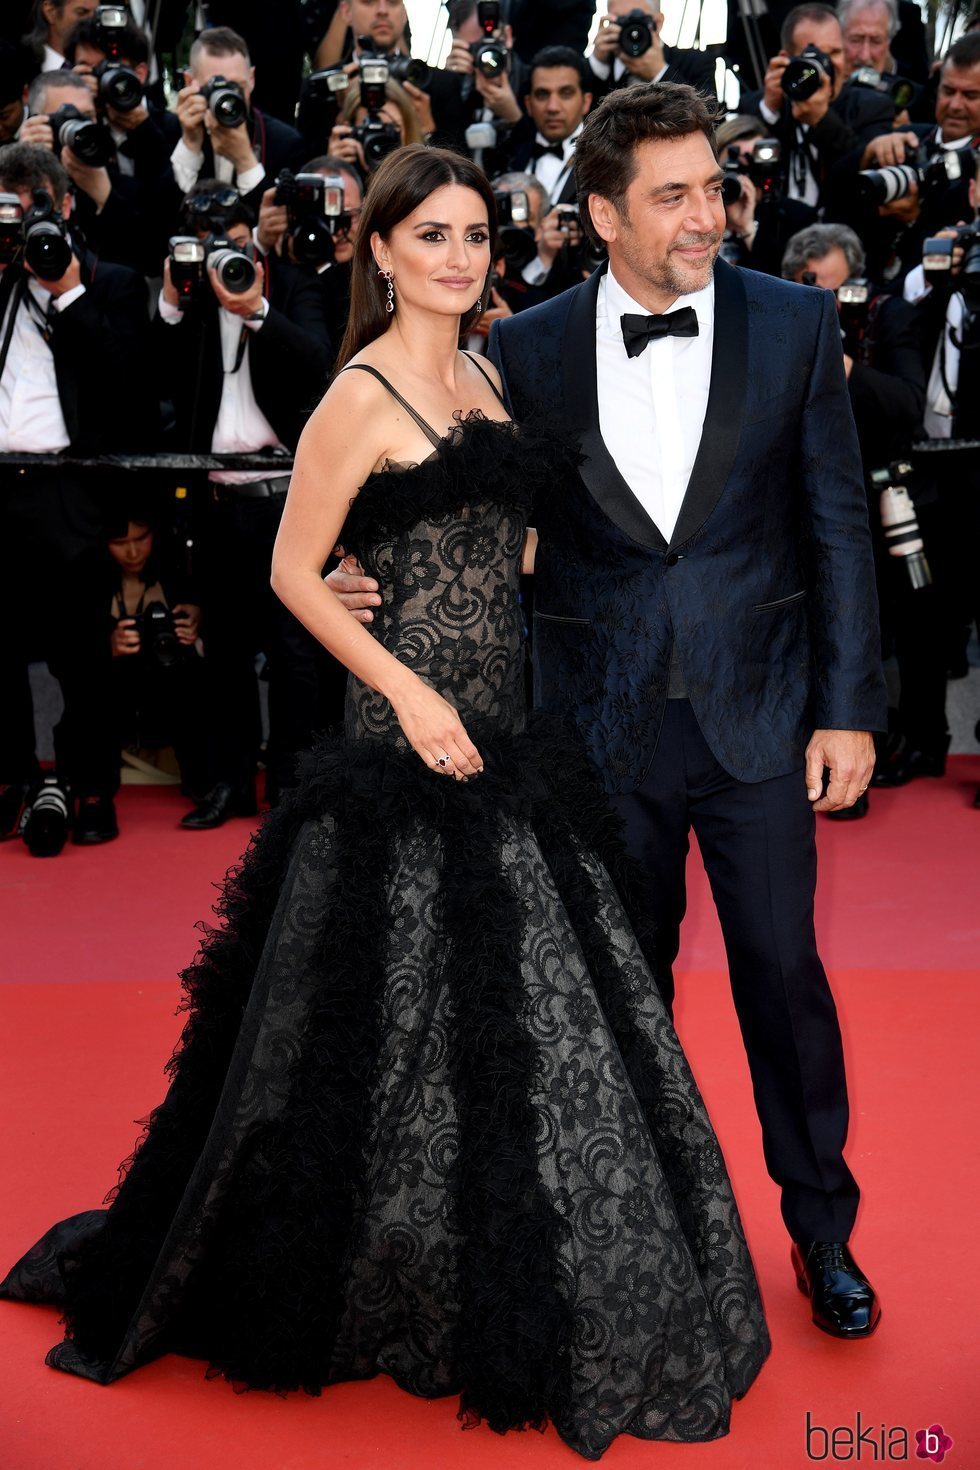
(660,272)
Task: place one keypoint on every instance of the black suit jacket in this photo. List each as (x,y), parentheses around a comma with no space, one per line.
(277,146)
(852,120)
(522,160)
(696,68)
(767,584)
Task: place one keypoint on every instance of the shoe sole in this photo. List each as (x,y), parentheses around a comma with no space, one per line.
(835,1332)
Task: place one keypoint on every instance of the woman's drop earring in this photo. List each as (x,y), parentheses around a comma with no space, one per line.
(390,303)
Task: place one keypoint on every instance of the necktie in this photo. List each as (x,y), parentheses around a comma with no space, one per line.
(542,150)
(638,330)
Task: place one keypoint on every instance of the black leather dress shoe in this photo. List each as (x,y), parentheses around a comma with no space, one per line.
(907,766)
(843,1300)
(12,798)
(95,821)
(851,813)
(218,805)
(46,819)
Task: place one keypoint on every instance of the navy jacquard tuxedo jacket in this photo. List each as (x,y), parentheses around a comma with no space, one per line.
(767,584)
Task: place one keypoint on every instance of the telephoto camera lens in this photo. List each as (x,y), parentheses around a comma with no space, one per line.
(234,269)
(898,521)
(90,142)
(158,636)
(635,33)
(118,87)
(46,247)
(883,185)
(489,58)
(226,102)
(803,75)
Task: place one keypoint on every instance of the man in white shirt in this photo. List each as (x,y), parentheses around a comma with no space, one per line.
(558,99)
(613,67)
(53,25)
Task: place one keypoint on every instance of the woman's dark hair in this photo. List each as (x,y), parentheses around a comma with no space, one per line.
(605,155)
(403,181)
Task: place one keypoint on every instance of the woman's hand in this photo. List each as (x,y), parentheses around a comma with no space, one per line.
(434,730)
(187,622)
(125,638)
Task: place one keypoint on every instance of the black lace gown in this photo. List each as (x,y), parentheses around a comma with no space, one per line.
(428,1116)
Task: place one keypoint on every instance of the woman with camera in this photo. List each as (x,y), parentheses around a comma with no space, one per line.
(368,130)
(429,1116)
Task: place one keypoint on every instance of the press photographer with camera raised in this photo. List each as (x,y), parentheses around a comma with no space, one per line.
(474,98)
(628,49)
(886,385)
(377,118)
(806,105)
(235,335)
(222,135)
(53,23)
(73,362)
(760,216)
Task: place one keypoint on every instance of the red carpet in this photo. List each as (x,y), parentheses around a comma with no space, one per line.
(91,944)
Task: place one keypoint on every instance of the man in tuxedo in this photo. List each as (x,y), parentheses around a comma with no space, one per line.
(72,378)
(705,609)
(557,101)
(612,68)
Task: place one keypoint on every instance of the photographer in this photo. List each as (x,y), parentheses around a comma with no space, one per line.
(72,379)
(237,144)
(760,218)
(158,678)
(871,28)
(628,49)
(384,23)
(886,381)
(821,120)
(332,272)
(375,120)
(557,102)
(475,97)
(53,23)
(234,337)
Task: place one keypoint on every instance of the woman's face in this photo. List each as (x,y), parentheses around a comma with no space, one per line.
(389,114)
(132,551)
(440,254)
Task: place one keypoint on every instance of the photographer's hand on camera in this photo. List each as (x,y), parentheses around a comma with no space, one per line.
(888,149)
(94,182)
(814,109)
(422,103)
(345,146)
(125,639)
(273,223)
(68,282)
(37,130)
(740,214)
(498,94)
(244,303)
(187,622)
(231,143)
(773,95)
(191,108)
(460,59)
(557,231)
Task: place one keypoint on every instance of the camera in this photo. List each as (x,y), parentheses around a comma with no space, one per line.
(315,213)
(902,92)
(895,181)
(584,255)
(489,57)
(11,221)
(119,86)
(488,15)
(158,635)
(191,257)
(410,69)
(45,235)
(226,102)
(187,256)
(231,263)
(90,142)
(854,299)
(902,535)
(803,75)
(516,236)
(636,33)
(377,137)
(110,21)
(568,216)
(764,168)
(937,262)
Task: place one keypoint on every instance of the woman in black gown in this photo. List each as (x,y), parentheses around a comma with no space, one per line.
(428,1115)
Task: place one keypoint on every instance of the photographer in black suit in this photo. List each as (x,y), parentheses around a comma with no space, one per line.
(73,379)
(463,96)
(557,101)
(249,148)
(613,67)
(232,359)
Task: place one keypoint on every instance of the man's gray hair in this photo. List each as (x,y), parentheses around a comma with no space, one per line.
(38,94)
(527,182)
(816,242)
(847,8)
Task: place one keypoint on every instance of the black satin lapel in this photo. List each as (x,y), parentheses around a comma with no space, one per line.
(602,479)
(726,404)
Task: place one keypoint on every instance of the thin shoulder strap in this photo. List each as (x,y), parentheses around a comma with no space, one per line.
(427,429)
(476,363)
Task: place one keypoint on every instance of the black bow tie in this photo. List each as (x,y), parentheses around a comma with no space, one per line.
(555,150)
(638,330)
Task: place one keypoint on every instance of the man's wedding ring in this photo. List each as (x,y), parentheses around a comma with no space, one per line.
(444,762)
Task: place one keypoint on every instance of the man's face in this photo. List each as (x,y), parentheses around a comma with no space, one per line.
(11,117)
(233,67)
(671,231)
(556,101)
(958,102)
(826,36)
(63,19)
(382,20)
(830,271)
(866,40)
(90,56)
(353,204)
(80,97)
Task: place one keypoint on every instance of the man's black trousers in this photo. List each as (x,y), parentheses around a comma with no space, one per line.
(758,846)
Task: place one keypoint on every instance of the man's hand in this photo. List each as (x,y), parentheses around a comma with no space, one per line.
(459,59)
(888,149)
(652,62)
(232,143)
(344,145)
(357,592)
(187,622)
(245,302)
(273,222)
(127,122)
(905,209)
(94,182)
(169,290)
(125,639)
(551,237)
(772,87)
(71,278)
(82,69)
(191,107)
(850,756)
(37,130)
(815,108)
(741,214)
(494,313)
(498,94)
(422,103)
(607,41)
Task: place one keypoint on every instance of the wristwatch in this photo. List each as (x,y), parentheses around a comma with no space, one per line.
(260,314)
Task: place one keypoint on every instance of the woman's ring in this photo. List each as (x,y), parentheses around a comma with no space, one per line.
(443,761)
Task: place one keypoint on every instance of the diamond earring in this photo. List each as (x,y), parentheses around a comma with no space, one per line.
(390,303)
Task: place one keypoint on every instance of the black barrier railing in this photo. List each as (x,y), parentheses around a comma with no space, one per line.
(272,464)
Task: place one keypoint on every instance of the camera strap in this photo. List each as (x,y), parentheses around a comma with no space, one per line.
(12,292)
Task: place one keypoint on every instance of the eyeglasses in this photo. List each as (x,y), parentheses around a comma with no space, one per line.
(207,202)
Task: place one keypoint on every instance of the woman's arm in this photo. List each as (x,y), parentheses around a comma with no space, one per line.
(530,549)
(336,453)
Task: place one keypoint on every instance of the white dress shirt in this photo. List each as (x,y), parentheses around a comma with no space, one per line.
(241,426)
(187,166)
(801,181)
(53,60)
(551,172)
(31,418)
(652,407)
(619,69)
(937,419)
